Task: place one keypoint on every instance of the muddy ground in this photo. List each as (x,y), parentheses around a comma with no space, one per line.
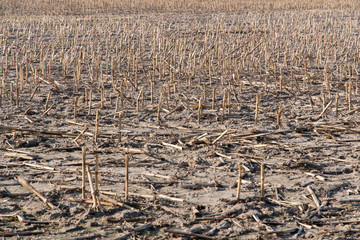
(183,169)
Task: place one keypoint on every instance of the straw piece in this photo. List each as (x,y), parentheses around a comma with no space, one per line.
(26,185)
(314,197)
(33,93)
(257,219)
(82,132)
(262,178)
(48,110)
(219,137)
(278,115)
(326,108)
(170,198)
(97,172)
(83,172)
(94,195)
(47,101)
(172,145)
(126,178)
(90,201)
(200,110)
(75,106)
(106,198)
(39,166)
(239,184)
(223,155)
(96,126)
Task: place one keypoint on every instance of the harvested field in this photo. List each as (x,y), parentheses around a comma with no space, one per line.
(131,120)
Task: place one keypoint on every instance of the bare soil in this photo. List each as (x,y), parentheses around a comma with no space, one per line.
(191,184)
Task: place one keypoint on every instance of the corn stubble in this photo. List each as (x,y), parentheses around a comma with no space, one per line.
(215,67)
(134,60)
